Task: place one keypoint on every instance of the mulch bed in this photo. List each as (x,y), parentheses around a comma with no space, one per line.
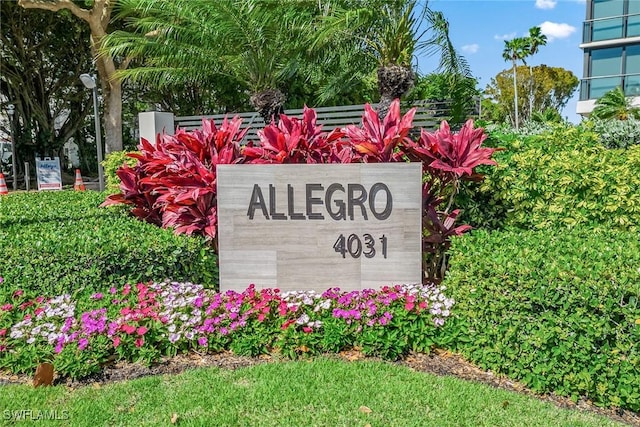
(438,362)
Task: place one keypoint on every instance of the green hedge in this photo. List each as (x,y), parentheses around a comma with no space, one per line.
(558,310)
(111,164)
(562,178)
(61,241)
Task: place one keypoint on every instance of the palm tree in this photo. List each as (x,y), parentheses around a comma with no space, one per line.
(536,39)
(256,43)
(393,32)
(614,105)
(516,50)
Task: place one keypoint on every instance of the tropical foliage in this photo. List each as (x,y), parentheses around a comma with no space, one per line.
(393,33)
(458,94)
(174,182)
(615,105)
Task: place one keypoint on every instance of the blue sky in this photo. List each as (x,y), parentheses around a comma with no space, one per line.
(478,29)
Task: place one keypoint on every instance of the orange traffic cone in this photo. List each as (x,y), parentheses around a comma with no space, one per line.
(79,184)
(3,185)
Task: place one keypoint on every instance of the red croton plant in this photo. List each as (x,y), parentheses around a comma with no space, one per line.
(174,182)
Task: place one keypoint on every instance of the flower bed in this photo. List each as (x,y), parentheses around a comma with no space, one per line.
(148,320)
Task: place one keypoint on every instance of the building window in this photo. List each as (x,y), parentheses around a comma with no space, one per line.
(606,62)
(632,80)
(606,29)
(607,8)
(633,25)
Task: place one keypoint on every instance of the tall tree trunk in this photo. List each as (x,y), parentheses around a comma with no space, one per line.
(112,115)
(393,82)
(515,93)
(268,103)
(530,92)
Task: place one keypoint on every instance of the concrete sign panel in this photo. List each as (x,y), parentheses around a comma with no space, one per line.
(301,227)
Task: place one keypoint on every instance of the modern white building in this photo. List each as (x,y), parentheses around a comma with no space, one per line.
(611,45)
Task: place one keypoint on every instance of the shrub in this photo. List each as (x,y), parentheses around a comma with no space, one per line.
(174,182)
(618,133)
(112,163)
(561,178)
(557,310)
(61,242)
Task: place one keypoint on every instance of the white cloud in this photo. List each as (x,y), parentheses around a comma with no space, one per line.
(546,4)
(505,36)
(554,30)
(470,48)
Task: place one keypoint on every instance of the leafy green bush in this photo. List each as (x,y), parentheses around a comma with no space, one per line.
(562,178)
(618,133)
(559,311)
(56,242)
(113,161)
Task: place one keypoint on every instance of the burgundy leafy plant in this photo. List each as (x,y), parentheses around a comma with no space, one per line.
(446,158)
(295,140)
(175,179)
(376,142)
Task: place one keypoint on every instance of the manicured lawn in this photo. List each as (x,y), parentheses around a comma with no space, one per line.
(321,392)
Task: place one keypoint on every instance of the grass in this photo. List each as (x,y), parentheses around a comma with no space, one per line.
(320,392)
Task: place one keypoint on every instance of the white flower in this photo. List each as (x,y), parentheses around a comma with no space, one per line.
(303,319)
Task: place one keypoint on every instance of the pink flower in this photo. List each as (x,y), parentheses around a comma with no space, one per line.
(39,310)
(202,341)
(6,307)
(307,330)
(409,306)
(18,293)
(3,332)
(97,296)
(116,342)
(129,329)
(113,290)
(126,289)
(142,330)
(138,342)
(26,304)
(2,347)
(39,300)
(83,343)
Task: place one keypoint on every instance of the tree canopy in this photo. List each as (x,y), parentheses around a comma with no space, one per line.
(552,88)
(39,75)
